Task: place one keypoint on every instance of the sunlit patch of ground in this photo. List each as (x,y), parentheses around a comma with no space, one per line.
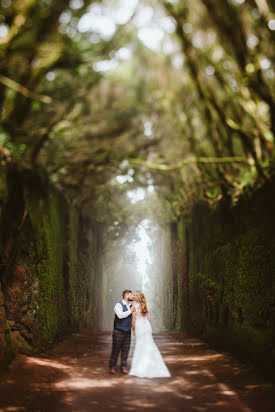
(74,377)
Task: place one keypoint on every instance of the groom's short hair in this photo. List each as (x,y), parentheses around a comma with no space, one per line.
(125,292)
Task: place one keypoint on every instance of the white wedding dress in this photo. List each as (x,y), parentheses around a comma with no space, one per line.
(147,361)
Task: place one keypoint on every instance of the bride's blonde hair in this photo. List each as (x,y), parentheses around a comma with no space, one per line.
(142,302)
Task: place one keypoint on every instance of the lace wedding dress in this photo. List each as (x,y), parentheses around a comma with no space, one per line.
(147,361)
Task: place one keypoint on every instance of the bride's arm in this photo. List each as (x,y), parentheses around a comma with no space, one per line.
(133,322)
(149,315)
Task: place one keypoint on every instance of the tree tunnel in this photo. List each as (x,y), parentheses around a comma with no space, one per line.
(137,151)
(136,255)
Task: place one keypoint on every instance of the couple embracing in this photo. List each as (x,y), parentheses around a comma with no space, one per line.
(147,361)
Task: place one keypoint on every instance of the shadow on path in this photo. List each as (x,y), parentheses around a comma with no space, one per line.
(74,377)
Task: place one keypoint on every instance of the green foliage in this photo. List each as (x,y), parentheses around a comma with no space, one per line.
(79,122)
(9,350)
(73,256)
(206,95)
(232,279)
(48,226)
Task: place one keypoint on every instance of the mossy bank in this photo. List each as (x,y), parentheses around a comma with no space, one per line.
(229,265)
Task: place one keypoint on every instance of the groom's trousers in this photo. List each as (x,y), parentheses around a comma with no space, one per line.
(121,343)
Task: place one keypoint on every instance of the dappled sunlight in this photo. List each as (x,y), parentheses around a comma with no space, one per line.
(84,383)
(261,386)
(225,390)
(136,153)
(87,385)
(185,358)
(189,342)
(141,403)
(45,362)
(172,386)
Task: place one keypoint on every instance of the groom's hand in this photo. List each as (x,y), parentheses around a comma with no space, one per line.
(133,309)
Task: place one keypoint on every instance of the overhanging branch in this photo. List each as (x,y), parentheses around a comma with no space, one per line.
(157,166)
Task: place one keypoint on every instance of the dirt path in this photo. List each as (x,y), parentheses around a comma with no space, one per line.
(74,377)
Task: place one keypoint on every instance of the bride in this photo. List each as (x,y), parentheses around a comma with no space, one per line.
(147,361)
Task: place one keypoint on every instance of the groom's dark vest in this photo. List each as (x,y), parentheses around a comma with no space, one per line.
(125,323)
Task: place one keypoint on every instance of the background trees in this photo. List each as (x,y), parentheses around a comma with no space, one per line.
(183,88)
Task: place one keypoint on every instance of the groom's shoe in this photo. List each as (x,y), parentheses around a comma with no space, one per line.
(113,371)
(124,370)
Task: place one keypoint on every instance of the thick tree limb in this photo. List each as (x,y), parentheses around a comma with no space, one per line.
(157,166)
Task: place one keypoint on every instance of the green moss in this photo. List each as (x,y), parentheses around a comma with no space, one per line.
(179,305)
(232,278)
(46,249)
(47,217)
(181,230)
(9,350)
(73,247)
(3,188)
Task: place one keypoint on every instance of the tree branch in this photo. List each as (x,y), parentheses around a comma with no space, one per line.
(6,81)
(157,166)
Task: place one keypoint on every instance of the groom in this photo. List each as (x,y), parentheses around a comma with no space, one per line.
(122,332)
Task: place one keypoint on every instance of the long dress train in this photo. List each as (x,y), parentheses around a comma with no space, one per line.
(147,361)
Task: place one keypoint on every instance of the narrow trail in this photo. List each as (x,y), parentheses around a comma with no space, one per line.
(74,377)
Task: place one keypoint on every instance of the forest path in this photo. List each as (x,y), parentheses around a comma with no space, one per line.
(74,377)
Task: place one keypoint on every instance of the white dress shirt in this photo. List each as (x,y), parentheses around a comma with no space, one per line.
(119,311)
